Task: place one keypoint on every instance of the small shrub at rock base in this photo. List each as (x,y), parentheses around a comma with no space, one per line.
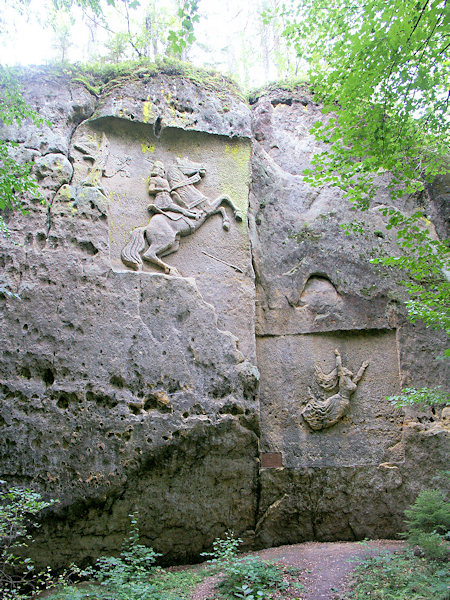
(131,576)
(126,577)
(135,563)
(428,524)
(18,513)
(224,550)
(400,577)
(251,575)
(248,593)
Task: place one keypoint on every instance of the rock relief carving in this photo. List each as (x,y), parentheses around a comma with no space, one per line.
(178,209)
(95,154)
(320,414)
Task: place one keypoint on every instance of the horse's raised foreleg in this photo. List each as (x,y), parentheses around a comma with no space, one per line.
(225,220)
(227,200)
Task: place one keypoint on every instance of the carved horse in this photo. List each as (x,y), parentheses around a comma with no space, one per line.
(164,230)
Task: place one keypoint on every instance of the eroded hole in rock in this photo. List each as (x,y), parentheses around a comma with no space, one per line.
(41,239)
(277,101)
(101,399)
(65,399)
(157,127)
(48,377)
(159,402)
(319,294)
(88,247)
(25,372)
(117,381)
(231,409)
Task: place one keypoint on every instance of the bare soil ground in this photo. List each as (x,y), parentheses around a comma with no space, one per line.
(324,567)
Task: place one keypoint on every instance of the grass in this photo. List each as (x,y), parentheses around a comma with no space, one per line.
(162,584)
(291,84)
(98,78)
(400,577)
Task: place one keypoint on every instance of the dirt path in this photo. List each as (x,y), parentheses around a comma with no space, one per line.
(324,565)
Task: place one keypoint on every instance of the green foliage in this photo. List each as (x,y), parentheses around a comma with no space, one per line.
(132,576)
(134,565)
(165,585)
(251,578)
(116,46)
(428,524)
(16,179)
(379,68)
(99,77)
(399,577)
(94,5)
(426,263)
(383,65)
(224,550)
(13,108)
(290,84)
(19,509)
(420,397)
(185,37)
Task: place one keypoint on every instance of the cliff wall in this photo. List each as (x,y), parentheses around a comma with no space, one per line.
(178,366)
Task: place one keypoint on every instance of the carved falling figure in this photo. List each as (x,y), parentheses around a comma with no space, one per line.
(178,209)
(320,414)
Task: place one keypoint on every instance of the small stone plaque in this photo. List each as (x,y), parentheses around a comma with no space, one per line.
(271,460)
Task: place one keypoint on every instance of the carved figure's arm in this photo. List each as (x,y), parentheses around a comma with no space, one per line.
(157,184)
(360,373)
(152,208)
(153,189)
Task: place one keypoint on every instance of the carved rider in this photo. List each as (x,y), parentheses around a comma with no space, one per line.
(163,203)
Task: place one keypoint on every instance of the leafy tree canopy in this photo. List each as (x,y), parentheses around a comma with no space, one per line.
(381,72)
(383,63)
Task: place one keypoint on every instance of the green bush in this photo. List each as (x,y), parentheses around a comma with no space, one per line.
(421,398)
(251,577)
(131,576)
(224,550)
(126,576)
(18,513)
(428,524)
(399,577)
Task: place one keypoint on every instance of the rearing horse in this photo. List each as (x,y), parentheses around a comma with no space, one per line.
(164,229)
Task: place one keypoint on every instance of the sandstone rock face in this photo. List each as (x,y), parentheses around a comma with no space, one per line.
(124,388)
(317,293)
